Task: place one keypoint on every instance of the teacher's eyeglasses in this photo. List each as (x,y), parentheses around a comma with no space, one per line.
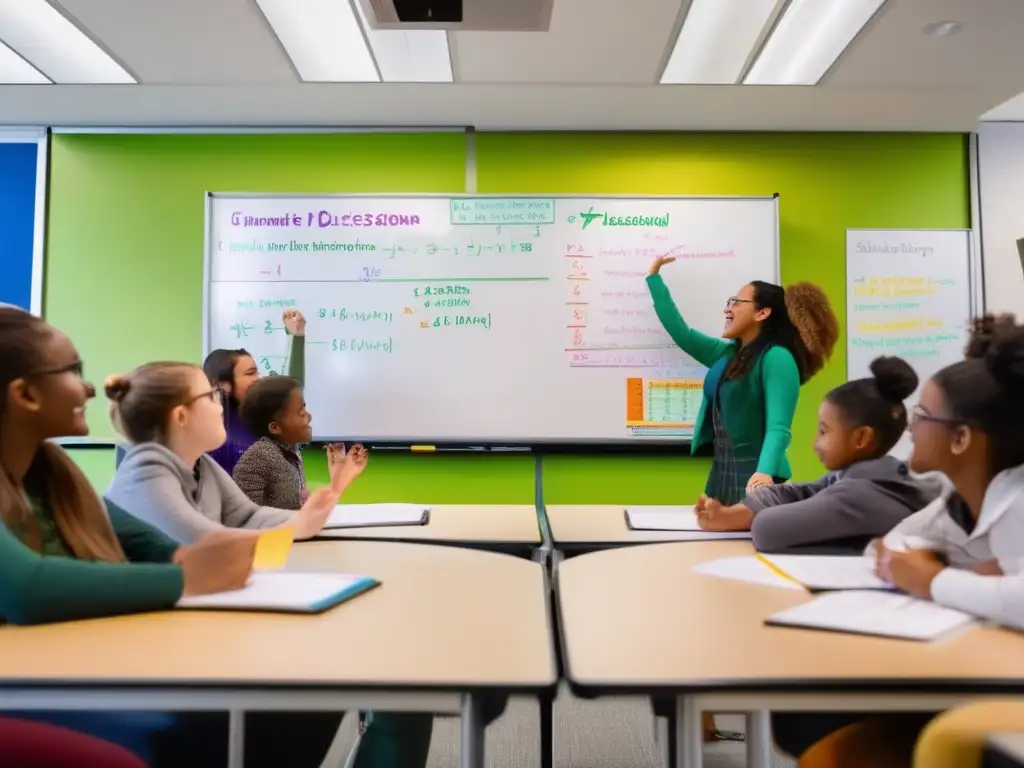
(732,301)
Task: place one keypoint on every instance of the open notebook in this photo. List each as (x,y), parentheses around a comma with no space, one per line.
(285,592)
(827,573)
(373,515)
(679,518)
(884,614)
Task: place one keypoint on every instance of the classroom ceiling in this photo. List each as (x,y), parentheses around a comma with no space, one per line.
(219,63)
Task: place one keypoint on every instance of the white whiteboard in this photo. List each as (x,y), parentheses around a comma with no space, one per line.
(482,319)
(910,294)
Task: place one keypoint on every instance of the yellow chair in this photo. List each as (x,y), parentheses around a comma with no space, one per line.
(956,739)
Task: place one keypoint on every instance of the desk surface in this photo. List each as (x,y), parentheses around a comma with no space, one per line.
(463,523)
(1009,745)
(598,526)
(639,619)
(444,618)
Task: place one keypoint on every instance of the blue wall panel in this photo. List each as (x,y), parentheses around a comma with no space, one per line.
(18,173)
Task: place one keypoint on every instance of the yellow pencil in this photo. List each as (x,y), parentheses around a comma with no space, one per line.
(776,570)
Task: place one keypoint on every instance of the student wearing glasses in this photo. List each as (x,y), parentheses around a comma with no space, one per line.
(965,550)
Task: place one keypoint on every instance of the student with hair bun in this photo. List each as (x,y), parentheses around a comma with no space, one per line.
(865,493)
(774,341)
(966,549)
(174,418)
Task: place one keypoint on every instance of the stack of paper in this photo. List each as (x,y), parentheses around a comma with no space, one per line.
(681,519)
(373,515)
(885,614)
(285,592)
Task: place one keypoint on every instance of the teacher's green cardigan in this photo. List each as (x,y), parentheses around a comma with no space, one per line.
(757,408)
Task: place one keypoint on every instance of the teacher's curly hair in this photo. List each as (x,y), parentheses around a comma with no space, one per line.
(801,320)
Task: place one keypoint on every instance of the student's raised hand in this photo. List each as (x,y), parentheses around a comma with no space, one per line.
(294,322)
(658,263)
(307,522)
(343,465)
(218,562)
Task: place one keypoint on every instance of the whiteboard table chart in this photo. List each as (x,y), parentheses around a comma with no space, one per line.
(501,321)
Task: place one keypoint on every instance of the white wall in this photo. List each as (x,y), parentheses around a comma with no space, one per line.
(1001,192)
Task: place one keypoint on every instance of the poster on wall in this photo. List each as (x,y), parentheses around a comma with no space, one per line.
(909,294)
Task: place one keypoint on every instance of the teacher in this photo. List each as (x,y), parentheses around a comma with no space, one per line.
(774,340)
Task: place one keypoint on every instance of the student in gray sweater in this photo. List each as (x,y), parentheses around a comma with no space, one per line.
(866,492)
(173,418)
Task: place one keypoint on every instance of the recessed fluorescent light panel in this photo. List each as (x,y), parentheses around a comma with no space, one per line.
(330,41)
(416,56)
(54,46)
(716,41)
(14,70)
(808,39)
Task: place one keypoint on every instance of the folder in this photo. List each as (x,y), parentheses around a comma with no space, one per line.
(278,592)
(376,515)
(680,518)
(880,614)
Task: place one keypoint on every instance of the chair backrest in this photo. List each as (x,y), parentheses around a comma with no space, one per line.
(120,451)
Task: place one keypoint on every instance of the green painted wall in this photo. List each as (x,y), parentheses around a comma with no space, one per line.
(826,183)
(125,247)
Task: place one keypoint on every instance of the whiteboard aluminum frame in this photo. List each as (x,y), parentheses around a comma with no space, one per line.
(474,443)
(975,276)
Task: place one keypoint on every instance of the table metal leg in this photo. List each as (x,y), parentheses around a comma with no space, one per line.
(471,733)
(689,734)
(236,738)
(547,728)
(759,739)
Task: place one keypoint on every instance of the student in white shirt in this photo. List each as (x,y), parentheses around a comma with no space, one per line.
(966,550)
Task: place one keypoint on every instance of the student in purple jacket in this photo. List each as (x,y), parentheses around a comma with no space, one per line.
(233,372)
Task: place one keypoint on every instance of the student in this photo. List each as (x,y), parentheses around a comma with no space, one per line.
(25,744)
(773,342)
(968,426)
(233,371)
(865,493)
(173,418)
(270,472)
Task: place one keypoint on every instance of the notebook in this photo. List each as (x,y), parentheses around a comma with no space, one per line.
(285,592)
(373,515)
(882,614)
(745,568)
(826,573)
(680,518)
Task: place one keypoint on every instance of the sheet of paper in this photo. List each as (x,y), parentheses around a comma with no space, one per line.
(681,519)
(828,572)
(284,592)
(357,515)
(272,549)
(875,613)
(745,568)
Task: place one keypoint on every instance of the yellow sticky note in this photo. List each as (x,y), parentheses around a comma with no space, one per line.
(272,549)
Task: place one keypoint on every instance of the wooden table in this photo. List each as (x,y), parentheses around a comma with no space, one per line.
(580,528)
(509,528)
(638,620)
(447,626)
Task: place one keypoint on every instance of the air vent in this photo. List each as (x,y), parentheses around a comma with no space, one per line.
(460,15)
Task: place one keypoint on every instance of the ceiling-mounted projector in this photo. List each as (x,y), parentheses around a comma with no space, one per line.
(459,15)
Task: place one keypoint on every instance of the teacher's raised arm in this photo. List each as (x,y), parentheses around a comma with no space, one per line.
(773,341)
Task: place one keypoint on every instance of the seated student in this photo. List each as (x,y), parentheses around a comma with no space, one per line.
(270,472)
(968,553)
(173,418)
(233,371)
(865,493)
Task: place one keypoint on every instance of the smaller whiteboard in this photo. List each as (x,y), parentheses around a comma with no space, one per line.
(910,294)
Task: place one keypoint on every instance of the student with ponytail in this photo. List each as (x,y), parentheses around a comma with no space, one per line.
(865,493)
(774,340)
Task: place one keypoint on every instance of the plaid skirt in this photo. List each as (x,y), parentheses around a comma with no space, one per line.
(732,465)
